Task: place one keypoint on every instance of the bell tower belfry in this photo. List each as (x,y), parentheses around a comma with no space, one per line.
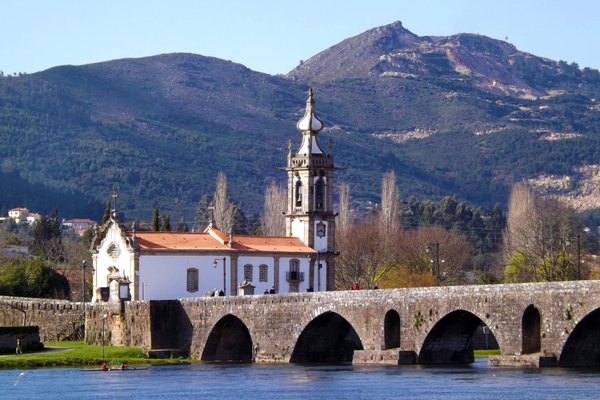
(310,215)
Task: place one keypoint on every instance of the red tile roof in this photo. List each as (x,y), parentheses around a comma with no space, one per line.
(178,241)
(205,241)
(270,244)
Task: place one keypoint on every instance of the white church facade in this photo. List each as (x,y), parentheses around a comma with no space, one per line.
(171,265)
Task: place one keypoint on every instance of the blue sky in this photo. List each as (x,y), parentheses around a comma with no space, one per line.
(273,36)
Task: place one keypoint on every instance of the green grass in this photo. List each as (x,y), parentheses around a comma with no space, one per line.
(486,353)
(77,354)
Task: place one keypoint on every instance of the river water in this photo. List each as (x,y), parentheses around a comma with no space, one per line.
(285,381)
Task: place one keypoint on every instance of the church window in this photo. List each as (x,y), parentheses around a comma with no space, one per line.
(294,273)
(263,273)
(113,251)
(248,272)
(298,194)
(192,279)
(319,194)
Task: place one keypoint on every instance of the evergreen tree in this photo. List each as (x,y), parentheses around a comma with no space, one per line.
(155,221)
(106,215)
(181,226)
(203,213)
(165,223)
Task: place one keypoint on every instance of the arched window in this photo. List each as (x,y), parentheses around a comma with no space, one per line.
(319,194)
(248,272)
(192,279)
(294,276)
(263,273)
(298,193)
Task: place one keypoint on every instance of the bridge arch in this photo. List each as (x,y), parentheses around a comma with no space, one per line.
(391,330)
(328,338)
(531,330)
(228,341)
(581,348)
(449,341)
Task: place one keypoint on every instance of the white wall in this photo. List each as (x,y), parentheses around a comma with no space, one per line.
(164,277)
(103,260)
(284,267)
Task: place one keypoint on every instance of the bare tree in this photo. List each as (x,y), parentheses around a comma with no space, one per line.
(367,254)
(521,210)
(390,201)
(224,209)
(429,255)
(537,240)
(346,215)
(272,221)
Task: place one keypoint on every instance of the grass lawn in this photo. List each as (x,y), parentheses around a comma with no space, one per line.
(486,353)
(77,354)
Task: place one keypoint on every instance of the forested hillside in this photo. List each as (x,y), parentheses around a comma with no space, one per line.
(463,115)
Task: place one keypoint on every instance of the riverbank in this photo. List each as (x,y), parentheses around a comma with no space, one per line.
(79,354)
(76,354)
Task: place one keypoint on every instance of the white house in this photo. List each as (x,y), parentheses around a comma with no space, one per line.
(170,265)
(18,214)
(79,225)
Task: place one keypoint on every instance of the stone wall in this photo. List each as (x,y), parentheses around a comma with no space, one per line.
(429,319)
(56,319)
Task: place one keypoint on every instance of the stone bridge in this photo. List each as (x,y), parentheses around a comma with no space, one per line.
(537,324)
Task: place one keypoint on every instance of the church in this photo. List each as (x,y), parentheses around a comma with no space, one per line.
(170,265)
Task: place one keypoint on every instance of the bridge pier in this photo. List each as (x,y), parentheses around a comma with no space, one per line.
(523,361)
(385,357)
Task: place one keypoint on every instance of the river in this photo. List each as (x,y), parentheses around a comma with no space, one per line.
(285,381)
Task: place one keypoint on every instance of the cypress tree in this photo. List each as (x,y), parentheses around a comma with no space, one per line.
(155,222)
(165,223)
(106,215)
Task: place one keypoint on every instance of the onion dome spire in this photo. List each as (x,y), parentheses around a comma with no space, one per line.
(310,125)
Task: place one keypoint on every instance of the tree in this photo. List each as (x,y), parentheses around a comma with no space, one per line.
(106,215)
(203,213)
(165,223)
(537,240)
(181,225)
(224,209)
(32,278)
(47,239)
(155,224)
(390,202)
(418,258)
(346,215)
(272,221)
(367,254)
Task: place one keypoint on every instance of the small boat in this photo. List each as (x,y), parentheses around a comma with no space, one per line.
(114,369)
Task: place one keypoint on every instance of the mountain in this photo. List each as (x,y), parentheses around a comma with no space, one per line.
(463,114)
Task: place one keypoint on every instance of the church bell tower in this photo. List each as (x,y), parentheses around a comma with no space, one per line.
(310,215)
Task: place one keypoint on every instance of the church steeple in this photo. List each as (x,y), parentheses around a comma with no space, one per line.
(310,125)
(310,215)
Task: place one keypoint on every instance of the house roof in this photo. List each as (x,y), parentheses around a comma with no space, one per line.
(186,241)
(271,244)
(177,241)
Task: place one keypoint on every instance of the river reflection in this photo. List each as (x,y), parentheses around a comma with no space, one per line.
(301,382)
